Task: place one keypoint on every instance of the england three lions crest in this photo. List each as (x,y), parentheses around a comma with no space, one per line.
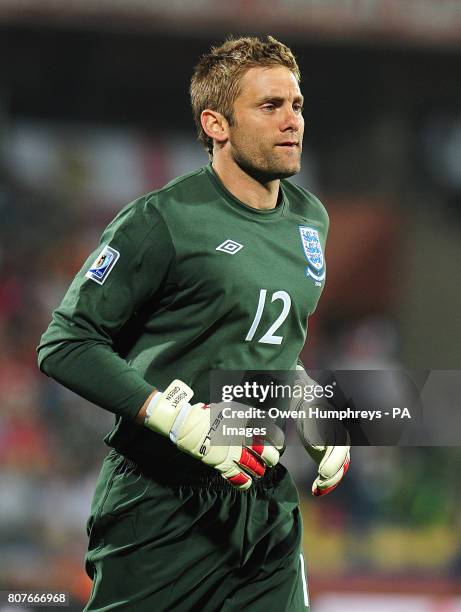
(313,252)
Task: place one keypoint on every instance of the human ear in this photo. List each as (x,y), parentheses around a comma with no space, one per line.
(214,125)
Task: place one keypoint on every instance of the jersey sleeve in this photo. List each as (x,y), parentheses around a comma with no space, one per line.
(130,266)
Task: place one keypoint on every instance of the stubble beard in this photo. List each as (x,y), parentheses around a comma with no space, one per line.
(263,167)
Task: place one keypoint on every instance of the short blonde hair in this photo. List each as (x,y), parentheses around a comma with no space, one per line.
(216,80)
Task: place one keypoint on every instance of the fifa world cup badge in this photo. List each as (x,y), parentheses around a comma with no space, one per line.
(103,265)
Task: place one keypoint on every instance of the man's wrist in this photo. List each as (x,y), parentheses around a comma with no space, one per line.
(162,407)
(141,416)
(154,399)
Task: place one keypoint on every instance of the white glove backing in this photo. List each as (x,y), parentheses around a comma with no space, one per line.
(192,428)
(327,442)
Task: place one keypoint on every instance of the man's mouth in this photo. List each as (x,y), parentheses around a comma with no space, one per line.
(288,143)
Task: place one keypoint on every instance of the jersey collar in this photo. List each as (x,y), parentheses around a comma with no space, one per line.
(249,211)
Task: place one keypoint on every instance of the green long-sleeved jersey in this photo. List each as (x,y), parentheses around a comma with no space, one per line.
(187,279)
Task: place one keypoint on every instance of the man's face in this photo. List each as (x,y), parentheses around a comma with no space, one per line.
(266,137)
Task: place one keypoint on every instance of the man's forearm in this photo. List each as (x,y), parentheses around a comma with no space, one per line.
(95,372)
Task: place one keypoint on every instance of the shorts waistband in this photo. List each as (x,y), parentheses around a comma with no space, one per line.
(208,478)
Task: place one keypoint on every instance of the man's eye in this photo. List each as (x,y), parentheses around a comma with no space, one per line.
(298,108)
(268,107)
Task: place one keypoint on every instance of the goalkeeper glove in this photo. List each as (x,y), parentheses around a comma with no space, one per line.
(327,442)
(192,428)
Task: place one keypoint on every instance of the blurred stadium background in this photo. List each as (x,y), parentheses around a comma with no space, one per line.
(94,111)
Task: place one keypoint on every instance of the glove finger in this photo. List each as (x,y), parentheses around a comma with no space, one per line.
(274,435)
(238,478)
(323,486)
(270,455)
(252,462)
(239,481)
(226,461)
(320,488)
(347,462)
(267,450)
(333,460)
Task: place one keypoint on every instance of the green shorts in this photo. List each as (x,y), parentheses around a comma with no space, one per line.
(194,547)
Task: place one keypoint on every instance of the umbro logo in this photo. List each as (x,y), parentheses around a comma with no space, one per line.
(230,246)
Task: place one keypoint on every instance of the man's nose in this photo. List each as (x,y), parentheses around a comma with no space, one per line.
(291,120)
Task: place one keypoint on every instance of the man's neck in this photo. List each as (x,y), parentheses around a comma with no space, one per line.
(248,190)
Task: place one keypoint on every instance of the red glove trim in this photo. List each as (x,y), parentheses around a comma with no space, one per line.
(238,480)
(252,463)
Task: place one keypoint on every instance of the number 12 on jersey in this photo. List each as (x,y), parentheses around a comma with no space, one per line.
(269,337)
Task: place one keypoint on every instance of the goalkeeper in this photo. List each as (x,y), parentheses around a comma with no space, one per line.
(219,269)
